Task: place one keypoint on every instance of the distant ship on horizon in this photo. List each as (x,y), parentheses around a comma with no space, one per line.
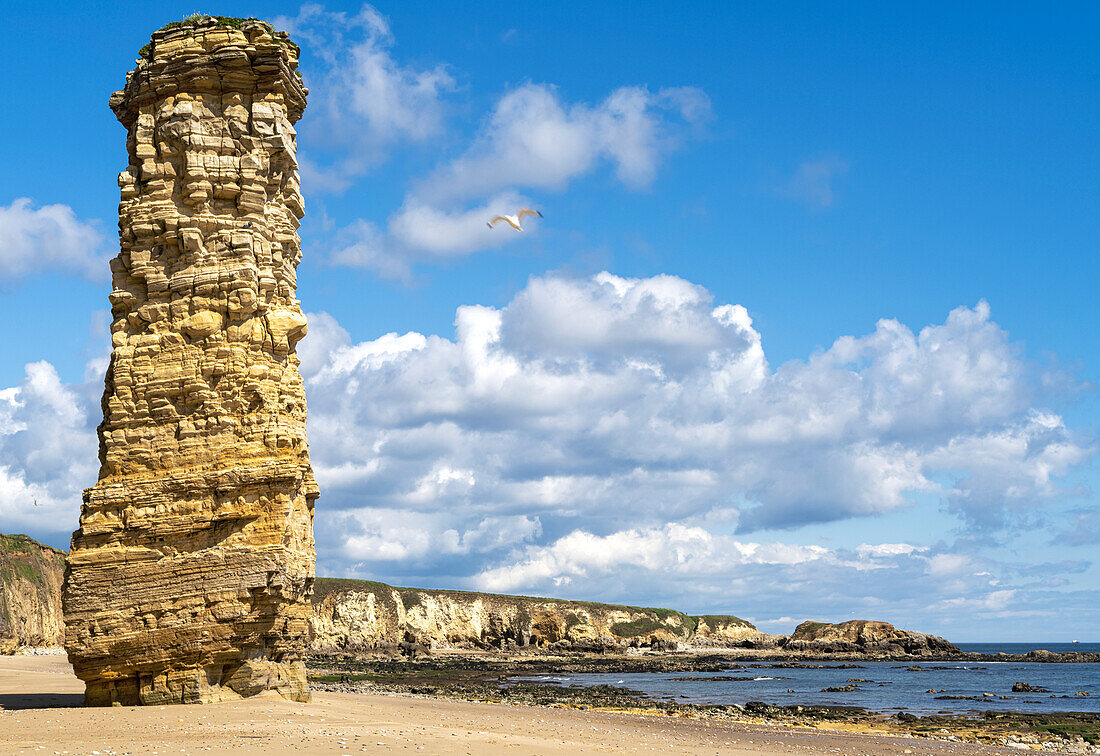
(1075,641)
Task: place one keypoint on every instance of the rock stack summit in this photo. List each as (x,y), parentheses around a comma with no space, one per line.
(189,577)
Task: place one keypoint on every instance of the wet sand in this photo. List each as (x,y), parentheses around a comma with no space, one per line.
(41,713)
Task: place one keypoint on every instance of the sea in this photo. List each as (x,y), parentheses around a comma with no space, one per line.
(888,687)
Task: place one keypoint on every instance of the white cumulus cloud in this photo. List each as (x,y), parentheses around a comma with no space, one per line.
(672,549)
(532,140)
(626,439)
(48,239)
(364,102)
(48,452)
(606,404)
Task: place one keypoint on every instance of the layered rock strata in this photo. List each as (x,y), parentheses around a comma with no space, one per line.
(867,637)
(30,593)
(189,577)
(359,615)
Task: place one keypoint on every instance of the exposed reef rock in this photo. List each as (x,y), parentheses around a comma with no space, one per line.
(190,575)
(865,637)
(30,593)
(360,615)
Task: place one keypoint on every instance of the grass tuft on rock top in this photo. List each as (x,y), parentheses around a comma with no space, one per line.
(16,542)
(231,22)
(809,627)
(719,619)
(638,627)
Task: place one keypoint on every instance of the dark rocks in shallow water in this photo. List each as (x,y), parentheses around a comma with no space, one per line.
(918,668)
(716,679)
(802,665)
(840,689)
(761,709)
(412,649)
(1022,687)
(1041,655)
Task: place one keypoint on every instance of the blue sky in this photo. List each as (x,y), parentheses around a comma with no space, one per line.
(726,372)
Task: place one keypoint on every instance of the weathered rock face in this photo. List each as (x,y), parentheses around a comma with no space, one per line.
(190,574)
(867,637)
(728,632)
(30,593)
(356,615)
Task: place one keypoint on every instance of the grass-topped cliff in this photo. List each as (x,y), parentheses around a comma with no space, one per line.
(366,614)
(30,593)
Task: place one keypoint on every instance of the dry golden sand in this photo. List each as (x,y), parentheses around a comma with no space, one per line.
(40,713)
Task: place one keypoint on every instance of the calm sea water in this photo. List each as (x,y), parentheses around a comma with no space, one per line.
(1023,648)
(890,686)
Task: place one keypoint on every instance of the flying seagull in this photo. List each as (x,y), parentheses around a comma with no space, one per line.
(514,220)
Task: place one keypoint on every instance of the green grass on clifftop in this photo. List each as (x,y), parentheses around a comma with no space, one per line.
(231,22)
(723,619)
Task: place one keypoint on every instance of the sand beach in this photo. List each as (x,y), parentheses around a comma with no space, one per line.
(41,713)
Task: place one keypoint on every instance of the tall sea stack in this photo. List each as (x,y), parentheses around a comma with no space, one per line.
(189,577)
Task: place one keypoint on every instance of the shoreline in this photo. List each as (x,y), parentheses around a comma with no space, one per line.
(516,679)
(39,697)
(724,653)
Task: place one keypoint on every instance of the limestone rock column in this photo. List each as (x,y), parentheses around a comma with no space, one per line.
(189,577)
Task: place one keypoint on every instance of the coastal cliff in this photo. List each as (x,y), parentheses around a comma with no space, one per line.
(30,593)
(352,615)
(360,615)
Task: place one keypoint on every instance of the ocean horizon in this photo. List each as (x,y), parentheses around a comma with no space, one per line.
(1023,648)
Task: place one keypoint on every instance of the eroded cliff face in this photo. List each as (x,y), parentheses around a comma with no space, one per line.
(30,593)
(866,637)
(190,574)
(724,631)
(358,615)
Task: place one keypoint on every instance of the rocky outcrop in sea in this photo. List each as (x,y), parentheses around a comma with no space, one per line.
(867,637)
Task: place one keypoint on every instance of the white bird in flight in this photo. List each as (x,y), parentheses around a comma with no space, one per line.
(516,220)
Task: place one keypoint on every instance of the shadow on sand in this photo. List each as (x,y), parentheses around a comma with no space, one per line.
(13,701)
